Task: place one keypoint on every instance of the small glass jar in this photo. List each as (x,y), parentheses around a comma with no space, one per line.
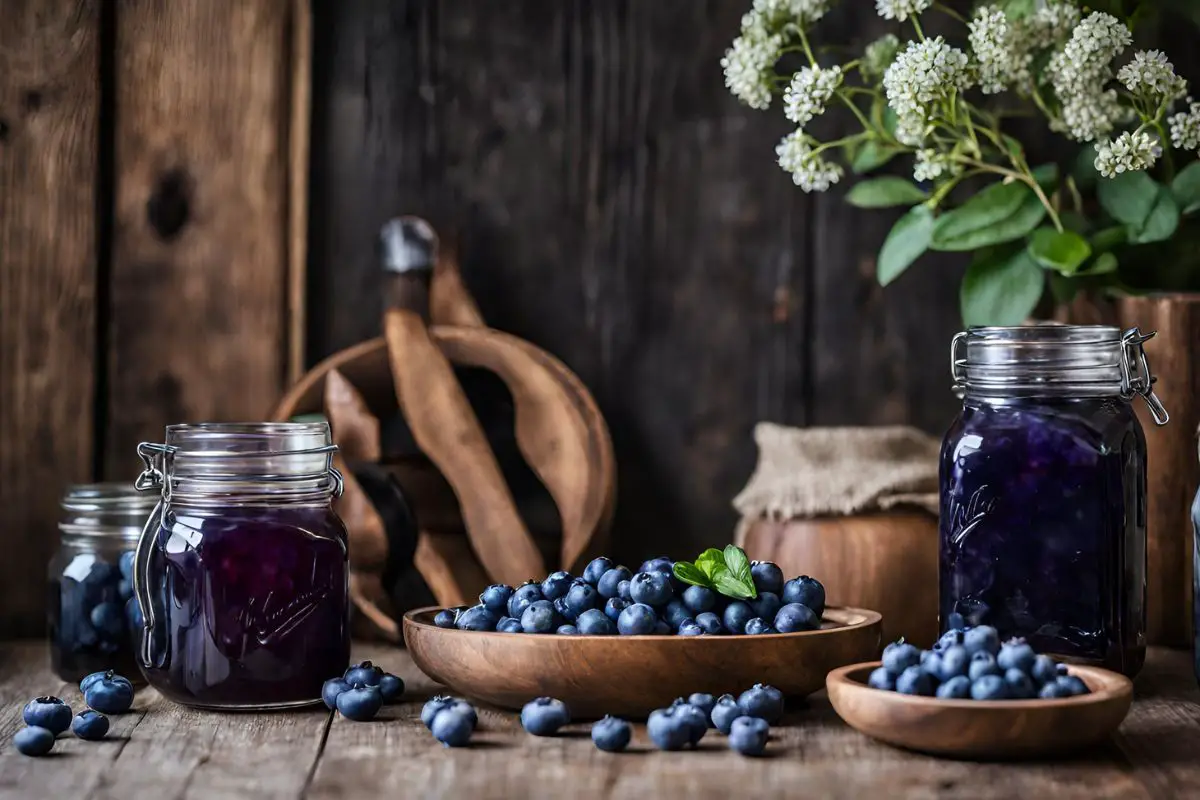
(242,569)
(92,613)
(1043,490)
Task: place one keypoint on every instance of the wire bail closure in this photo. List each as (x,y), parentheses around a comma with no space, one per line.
(1136,377)
(159,458)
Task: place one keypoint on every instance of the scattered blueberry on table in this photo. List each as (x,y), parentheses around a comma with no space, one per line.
(90,725)
(762,701)
(693,718)
(50,713)
(361,691)
(360,702)
(724,712)
(543,716)
(33,741)
(452,727)
(748,735)
(669,728)
(109,694)
(612,735)
(972,663)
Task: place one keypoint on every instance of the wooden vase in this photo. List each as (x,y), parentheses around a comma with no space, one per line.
(1173,469)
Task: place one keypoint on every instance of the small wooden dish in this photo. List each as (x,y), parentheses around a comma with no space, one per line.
(982,730)
(633,675)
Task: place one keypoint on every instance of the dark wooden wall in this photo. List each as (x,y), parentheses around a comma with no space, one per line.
(618,207)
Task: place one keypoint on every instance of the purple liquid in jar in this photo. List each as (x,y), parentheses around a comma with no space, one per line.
(1043,525)
(251,605)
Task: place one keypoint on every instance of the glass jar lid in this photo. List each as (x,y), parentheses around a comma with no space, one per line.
(105,509)
(1053,359)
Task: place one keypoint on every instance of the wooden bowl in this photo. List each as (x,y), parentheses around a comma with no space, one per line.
(981,730)
(633,675)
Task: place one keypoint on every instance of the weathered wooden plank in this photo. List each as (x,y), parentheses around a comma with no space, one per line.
(49,110)
(199,274)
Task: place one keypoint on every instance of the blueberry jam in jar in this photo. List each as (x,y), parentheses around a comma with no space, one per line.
(1043,490)
(242,570)
(93,616)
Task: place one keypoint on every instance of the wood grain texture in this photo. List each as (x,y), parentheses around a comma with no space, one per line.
(49,110)
(199,273)
(165,751)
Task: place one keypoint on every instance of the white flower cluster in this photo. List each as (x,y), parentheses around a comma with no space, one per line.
(748,67)
(924,74)
(1150,73)
(880,54)
(810,89)
(1002,62)
(1079,72)
(773,14)
(1128,152)
(809,171)
(1185,127)
(932,164)
(901,9)
(1049,26)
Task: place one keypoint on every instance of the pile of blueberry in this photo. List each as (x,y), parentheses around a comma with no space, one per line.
(609,599)
(94,615)
(450,720)
(361,691)
(47,717)
(971,663)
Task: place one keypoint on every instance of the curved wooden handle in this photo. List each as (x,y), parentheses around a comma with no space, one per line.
(445,428)
(450,303)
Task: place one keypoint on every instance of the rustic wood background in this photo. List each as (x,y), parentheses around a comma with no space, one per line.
(614,205)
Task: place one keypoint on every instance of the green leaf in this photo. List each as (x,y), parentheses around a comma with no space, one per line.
(1162,221)
(1062,288)
(1186,187)
(710,561)
(1001,287)
(690,573)
(736,561)
(1064,252)
(884,193)
(1084,170)
(732,587)
(1108,238)
(1129,197)
(1001,213)
(905,243)
(872,156)
(1103,264)
(1046,176)
(1012,145)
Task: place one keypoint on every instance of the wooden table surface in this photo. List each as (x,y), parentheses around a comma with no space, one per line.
(161,750)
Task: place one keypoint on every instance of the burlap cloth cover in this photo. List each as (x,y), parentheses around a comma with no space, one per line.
(811,472)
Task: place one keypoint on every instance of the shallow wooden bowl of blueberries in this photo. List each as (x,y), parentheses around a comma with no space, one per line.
(982,730)
(630,676)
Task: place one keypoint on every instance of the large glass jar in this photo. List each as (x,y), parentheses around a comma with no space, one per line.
(242,569)
(1043,490)
(92,614)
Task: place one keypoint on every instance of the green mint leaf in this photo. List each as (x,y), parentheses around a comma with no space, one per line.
(730,586)
(1161,222)
(1001,287)
(1129,197)
(710,561)
(690,573)
(905,243)
(739,567)
(1000,213)
(884,193)
(1063,252)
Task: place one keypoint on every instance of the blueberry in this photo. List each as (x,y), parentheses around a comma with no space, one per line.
(90,725)
(462,707)
(1061,670)
(931,664)
(724,712)
(495,598)
(125,589)
(1016,654)
(880,678)
(539,617)
(391,687)
(796,617)
(766,605)
(695,720)
(756,626)
(955,622)
(452,727)
(748,736)
(33,741)
(614,607)
(432,706)
(669,729)
(989,687)
(564,610)
(637,620)
(582,596)
(330,691)
(1044,670)
(623,590)
(86,683)
(50,713)
(595,622)
(108,619)
(699,599)
(768,577)
(610,582)
(567,630)
(544,716)
(955,660)
(1020,685)
(915,680)
(510,625)
(660,564)
(950,638)
(651,588)
(806,591)
(982,638)
(982,663)
(360,702)
(661,628)
(476,618)
(611,735)
(125,565)
(556,585)
(705,703)
(957,688)
(596,568)
(899,656)
(109,695)
(737,614)
(690,628)
(522,596)
(1072,685)
(1053,691)
(710,623)
(365,673)
(675,612)
(762,701)
(445,618)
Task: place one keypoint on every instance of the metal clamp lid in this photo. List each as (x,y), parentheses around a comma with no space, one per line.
(1136,377)
(158,459)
